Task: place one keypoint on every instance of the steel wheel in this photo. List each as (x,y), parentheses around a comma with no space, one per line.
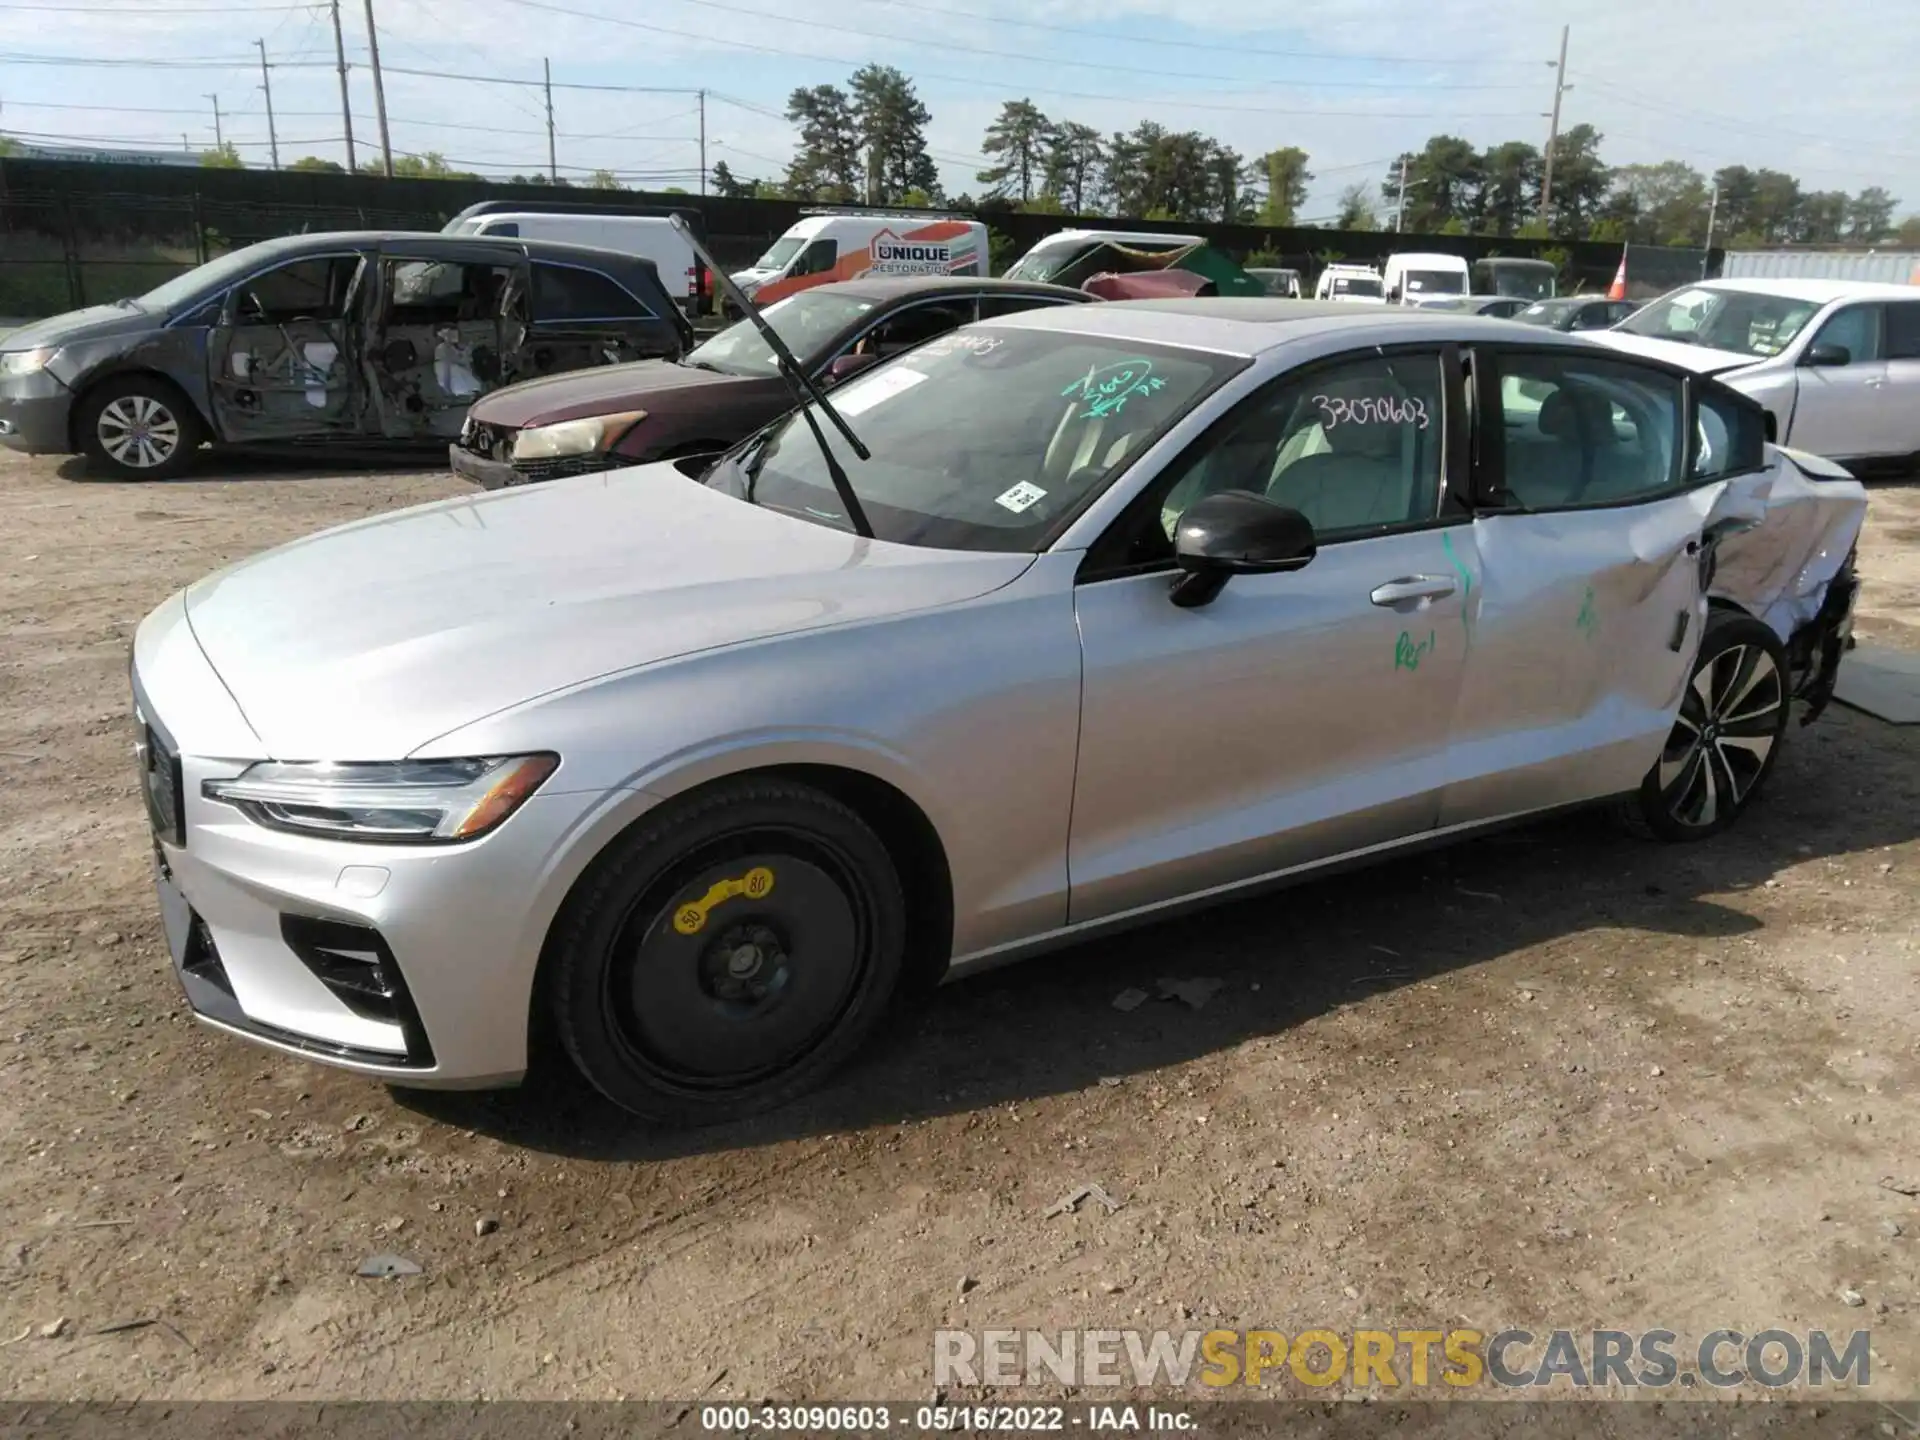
(139,432)
(1726,733)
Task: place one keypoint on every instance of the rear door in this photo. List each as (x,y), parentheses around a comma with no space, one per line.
(444,330)
(580,316)
(1843,411)
(1902,344)
(281,357)
(1592,509)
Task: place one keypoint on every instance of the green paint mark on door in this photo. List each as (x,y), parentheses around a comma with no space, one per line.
(1409,652)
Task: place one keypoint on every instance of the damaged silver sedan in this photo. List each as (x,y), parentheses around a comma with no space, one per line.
(377,340)
(1057,622)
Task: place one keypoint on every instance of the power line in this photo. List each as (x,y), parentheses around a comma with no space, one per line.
(144,10)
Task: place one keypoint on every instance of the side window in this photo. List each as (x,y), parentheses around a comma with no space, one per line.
(1583,431)
(914,326)
(305,290)
(996,305)
(819,257)
(566,292)
(1355,447)
(1903,330)
(1594,317)
(443,292)
(1730,434)
(1856,329)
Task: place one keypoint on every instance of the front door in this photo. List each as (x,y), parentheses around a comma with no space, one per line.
(1843,411)
(282,359)
(1591,606)
(1296,716)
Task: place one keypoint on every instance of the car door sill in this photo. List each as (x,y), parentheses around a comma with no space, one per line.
(993,956)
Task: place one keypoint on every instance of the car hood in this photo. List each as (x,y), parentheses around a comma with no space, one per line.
(96,322)
(368,641)
(1697,358)
(599,391)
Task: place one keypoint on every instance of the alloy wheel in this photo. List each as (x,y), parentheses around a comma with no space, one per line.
(1728,724)
(138,431)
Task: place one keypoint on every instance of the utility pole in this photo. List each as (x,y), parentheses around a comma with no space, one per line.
(219,137)
(553,166)
(703,142)
(1400,210)
(266,84)
(340,60)
(1560,87)
(1713,213)
(379,93)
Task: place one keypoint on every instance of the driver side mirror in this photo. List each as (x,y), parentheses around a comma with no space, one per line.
(1827,354)
(845,366)
(1236,532)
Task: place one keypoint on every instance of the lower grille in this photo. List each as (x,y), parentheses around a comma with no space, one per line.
(358,969)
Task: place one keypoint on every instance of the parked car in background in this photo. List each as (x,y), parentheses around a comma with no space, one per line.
(358,338)
(829,246)
(1415,278)
(1358,284)
(1129,607)
(1281,282)
(727,388)
(1064,249)
(1514,275)
(652,237)
(1494,307)
(1835,362)
(1577,312)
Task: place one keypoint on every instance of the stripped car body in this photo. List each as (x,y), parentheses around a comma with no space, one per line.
(379,339)
(1035,681)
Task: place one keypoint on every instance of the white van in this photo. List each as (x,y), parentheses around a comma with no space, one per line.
(651,237)
(844,245)
(1358,284)
(1414,278)
(1057,251)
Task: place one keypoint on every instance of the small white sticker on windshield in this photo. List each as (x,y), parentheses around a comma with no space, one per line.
(883,385)
(1021,497)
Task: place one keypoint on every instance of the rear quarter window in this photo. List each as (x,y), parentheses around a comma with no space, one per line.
(568,292)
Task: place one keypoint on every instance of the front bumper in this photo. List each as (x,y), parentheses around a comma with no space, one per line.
(411,964)
(500,474)
(36,415)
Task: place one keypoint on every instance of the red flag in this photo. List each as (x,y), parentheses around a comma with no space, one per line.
(1618,290)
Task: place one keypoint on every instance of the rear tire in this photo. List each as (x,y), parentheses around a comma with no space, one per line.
(138,427)
(728,954)
(1725,738)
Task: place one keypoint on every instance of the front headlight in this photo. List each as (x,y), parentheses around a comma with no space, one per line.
(24,362)
(403,802)
(574,437)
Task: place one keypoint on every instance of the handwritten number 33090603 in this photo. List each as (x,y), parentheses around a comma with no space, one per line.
(1336,411)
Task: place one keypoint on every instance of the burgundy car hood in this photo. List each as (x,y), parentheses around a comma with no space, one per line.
(599,391)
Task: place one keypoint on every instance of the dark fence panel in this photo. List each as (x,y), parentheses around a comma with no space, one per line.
(75,233)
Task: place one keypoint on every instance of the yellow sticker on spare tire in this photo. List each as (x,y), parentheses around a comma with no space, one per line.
(691,918)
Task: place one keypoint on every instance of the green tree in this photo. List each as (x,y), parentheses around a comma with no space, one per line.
(313,164)
(891,122)
(1356,208)
(1442,181)
(1821,218)
(1287,178)
(1075,154)
(222,157)
(604,180)
(1909,231)
(1020,137)
(826,164)
(1509,187)
(1776,205)
(1736,214)
(727,187)
(1870,214)
(1580,181)
(430,166)
(1663,204)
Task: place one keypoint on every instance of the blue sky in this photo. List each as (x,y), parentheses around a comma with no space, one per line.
(1822,91)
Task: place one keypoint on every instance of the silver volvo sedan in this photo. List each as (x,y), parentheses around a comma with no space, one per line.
(1100,612)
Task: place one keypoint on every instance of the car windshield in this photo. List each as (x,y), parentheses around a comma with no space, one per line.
(784,249)
(1356,285)
(1521,282)
(1436,282)
(1045,260)
(805,321)
(1742,321)
(1068,413)
(212,277)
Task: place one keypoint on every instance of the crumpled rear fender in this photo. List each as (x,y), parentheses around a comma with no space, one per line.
(1803,516)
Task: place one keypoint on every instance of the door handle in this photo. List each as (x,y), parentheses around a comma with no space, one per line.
(1412,587)
(1877,382)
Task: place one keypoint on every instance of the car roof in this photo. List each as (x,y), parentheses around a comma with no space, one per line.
(1229,325)
(892,287)
(1819,292)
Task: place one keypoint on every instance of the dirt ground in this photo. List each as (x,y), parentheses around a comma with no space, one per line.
(1553,1078)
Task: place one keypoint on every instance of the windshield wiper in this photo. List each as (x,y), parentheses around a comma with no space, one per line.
(799,382)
